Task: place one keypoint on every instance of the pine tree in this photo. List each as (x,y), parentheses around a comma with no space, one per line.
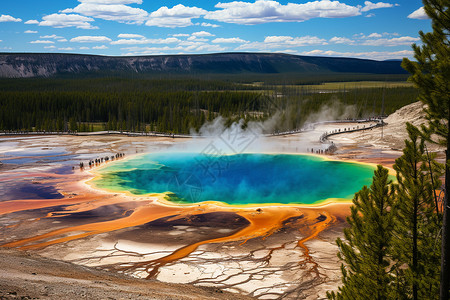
(73,124)
(431,74)
(416,247)
(365,251)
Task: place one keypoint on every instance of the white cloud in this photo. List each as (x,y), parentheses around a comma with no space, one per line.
(199,47)
(8,18)
(111,12)
(49,47)
(264,11)
(374,35)
(84,48)
(53,36)
(148,50)
(42,42)
(204,47)
(64,20)
(369,5)
(180,34)
(389,39)
(177,16)
(179,11)
(295,42)
(30,31)
(169,22)
(203,24)
(62,40)
(260,11)
(383,55)
(90,39)
(66,49)
(289,51)
(198,39)
(341,40)
(130,36)
(370,15)
(100,47)
(184,47)
(276,42)
(29,22)
(111,1)
(202,33)
(419,14)
(145,41)
(404,40)
(229,40)
(277,39)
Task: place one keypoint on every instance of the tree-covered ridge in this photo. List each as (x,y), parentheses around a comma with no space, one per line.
(175,105)
(24,65)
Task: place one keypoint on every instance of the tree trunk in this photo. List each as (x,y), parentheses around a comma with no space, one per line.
(445,255)
(415,258)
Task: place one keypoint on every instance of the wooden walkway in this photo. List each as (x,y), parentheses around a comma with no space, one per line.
(306,128)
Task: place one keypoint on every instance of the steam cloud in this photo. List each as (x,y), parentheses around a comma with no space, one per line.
(216,138)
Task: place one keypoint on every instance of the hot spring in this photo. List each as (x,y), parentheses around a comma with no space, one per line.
(237,179)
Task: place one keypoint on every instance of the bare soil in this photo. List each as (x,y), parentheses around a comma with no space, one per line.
(26,275)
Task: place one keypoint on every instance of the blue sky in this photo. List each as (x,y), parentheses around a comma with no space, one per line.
(349,28)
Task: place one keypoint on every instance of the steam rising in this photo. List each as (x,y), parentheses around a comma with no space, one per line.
(216,138)
(334,111)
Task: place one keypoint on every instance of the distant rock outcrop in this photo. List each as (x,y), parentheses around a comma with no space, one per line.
(393,135)
(17,65)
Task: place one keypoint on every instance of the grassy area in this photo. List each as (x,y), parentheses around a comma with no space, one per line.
(359,85)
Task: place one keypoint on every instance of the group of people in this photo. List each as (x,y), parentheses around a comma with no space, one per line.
(329,150)
(99,161)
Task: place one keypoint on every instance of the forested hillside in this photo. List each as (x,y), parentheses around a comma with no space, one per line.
(15,65)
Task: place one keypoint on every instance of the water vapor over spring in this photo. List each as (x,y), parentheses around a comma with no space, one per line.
(219,137)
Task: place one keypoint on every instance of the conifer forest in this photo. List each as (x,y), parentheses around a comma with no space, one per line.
(178,105)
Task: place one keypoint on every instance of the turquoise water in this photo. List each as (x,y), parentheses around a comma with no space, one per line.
(237,179)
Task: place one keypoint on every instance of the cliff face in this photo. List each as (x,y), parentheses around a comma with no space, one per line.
(16,65)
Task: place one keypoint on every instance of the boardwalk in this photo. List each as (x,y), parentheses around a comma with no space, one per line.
(306,128)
